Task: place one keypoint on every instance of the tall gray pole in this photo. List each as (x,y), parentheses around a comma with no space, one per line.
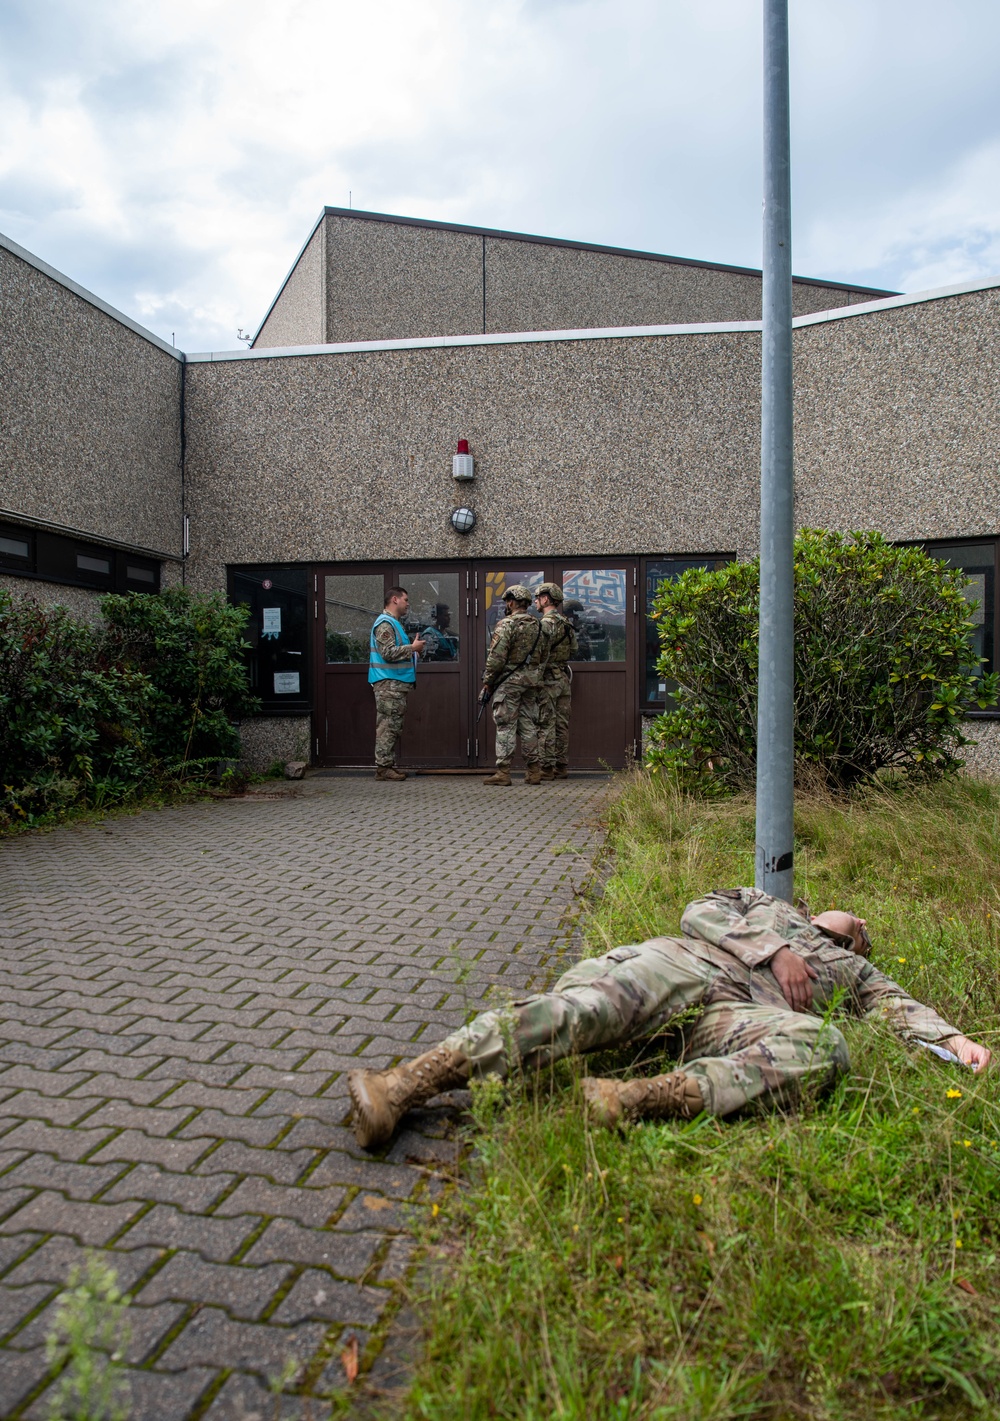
(776,675)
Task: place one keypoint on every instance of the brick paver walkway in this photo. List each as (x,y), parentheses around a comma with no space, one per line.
(182,993)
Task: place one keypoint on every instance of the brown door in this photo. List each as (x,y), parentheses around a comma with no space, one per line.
(601,602)
(436,731)
(348,601)
(489,582)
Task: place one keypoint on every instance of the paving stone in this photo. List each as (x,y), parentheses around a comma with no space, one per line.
(57,1257)
(133,1145)
(398,1260)
(11,1198)
(20,1374)
(147,1327)
(166,1227)
(243,1398)
(79,1181)
(236,1100)
(152,1395)
(374,1211)
(212,1124)
(123,1115)
(318,1297)
(64,1144)
(397,1181)
(49,1212)
(108,1085)
(55,1110)
(281,1165)
(250,1346)
(346,1254)
(193,1193)
(17,1303)
(244,1292)
(312,1207)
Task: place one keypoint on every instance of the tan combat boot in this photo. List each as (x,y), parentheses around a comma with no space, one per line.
(533,775)
(382,1098)
(548,772)
(562,772)
(498,777)
(389,772)
(675,1095)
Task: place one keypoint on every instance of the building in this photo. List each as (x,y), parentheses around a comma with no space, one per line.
(611,404)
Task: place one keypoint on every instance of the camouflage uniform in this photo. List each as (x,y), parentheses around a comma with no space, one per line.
(554,690)
(512,666)
(390,698)
(746,1043)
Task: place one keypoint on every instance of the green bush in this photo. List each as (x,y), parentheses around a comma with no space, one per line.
(884,666)
(94,714)
(190,649)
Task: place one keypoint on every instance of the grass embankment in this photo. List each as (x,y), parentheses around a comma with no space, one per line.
(836,1262)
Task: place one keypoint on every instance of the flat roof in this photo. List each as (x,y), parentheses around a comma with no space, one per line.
(839,313)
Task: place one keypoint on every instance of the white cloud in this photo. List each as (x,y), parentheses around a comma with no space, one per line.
(174,157)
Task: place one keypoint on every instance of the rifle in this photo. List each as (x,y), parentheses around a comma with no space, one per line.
(485,695)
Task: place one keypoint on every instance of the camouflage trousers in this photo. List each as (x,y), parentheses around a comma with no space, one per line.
(553,720)
(390,709)
(738,1052)
(515,713)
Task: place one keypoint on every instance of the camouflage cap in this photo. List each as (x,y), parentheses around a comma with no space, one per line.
(552,590)
(517,592)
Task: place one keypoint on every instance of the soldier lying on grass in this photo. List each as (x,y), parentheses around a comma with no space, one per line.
(763,976)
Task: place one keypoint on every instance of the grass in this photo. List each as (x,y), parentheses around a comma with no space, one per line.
(837,1262)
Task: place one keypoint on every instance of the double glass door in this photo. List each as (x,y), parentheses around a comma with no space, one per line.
(454,610)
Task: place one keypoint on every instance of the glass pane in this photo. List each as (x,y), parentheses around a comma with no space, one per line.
(14,547)
(595,604)
(277,632)
(977,562)
(353,601)
(434,613)
(658,572)
(139,574)
(86,564)
(496,583)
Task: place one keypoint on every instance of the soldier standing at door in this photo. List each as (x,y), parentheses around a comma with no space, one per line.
(555,685)
(511,677)
(392,674)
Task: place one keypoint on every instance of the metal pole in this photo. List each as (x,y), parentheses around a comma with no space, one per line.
(776,670)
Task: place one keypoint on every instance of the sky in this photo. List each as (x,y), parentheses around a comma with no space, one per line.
(173,157)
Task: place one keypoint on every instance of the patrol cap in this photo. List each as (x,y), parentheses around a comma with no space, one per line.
(518,593)
(551,590)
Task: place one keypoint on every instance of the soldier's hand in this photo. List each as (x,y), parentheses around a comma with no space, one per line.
(970,1053)
(794,977)
(418,645)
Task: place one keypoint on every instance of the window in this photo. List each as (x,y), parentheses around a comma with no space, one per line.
(978,562)
(595,603)
(278,633)
(658,571)
(353,600)
(59,557)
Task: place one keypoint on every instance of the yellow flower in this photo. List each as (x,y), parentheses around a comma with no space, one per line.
(966,1143)
(916,1110)
(621,1219)
(576,1228)
(958,1243)
(901,959)
(435,1210)
(953,1094)
(696,1198)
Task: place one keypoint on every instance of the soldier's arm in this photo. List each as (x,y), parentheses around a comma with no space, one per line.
(879,997)
(746,931)
(389,649)
(496,657)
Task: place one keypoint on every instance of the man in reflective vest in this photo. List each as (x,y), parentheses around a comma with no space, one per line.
(392,674)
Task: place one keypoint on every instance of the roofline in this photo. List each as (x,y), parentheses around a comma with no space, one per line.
(839,313)
(288,276)
(88,296)
(45,525)
(503,235)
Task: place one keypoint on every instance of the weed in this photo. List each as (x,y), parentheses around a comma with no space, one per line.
(87,1339)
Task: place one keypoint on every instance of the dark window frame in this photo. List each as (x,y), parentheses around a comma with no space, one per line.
(701,559)
(54,557)
(273,704)
(930,547)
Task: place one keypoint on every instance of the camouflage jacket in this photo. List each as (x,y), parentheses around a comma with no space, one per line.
(560,644)
(516,651)
(389,648)
(738,931)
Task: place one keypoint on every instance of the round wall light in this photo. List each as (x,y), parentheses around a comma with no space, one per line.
(463,520)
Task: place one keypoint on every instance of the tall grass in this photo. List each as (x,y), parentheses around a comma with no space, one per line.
(833,1262)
